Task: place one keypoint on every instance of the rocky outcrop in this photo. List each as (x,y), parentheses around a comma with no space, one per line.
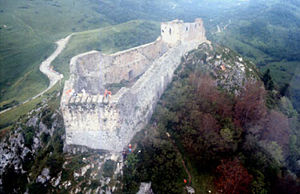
(230,70)
(91,122)
(22,144)
(145,188)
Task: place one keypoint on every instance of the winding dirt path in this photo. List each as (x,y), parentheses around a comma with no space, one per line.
(46,69)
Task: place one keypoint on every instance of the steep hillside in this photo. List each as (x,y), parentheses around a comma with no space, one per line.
(202,136)
(229,69)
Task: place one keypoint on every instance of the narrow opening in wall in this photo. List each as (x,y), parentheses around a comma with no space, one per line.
(162,31)
(170,31)
(186,29)
(130,74)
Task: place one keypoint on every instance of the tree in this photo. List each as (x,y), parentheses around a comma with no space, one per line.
(233,178)
(250,104)
(267,79)
(13,181)
(286,107)
(274,149)
(258,184)
(286,184)
(277,129)
(284,91)
(209,97)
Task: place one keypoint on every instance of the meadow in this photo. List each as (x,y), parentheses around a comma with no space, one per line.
(28,30)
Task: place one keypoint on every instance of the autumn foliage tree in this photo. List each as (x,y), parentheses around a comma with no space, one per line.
(233,178)
(277,129)
(200,125)
(250,104)
(209,97)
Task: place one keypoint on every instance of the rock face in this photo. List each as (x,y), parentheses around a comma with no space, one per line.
(22,145)
(110,126)
(145,188)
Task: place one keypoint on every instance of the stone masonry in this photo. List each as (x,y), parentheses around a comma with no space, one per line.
(110,126)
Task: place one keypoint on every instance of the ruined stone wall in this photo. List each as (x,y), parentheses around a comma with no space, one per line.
(133,62)
(87,123)
(137,104)
(91,122)
(87,72)
(93,70)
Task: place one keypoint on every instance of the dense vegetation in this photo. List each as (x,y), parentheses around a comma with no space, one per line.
(237,141)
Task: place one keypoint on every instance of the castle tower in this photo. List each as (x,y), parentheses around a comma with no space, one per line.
(176,31)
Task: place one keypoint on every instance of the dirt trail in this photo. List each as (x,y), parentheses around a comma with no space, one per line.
(46,69)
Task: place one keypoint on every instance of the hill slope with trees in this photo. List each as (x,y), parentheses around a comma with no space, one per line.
(230,143)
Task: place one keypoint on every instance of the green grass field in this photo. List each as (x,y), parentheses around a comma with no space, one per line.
(10,117)
(28,30)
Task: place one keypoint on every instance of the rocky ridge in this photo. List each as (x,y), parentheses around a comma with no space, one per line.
(230,70)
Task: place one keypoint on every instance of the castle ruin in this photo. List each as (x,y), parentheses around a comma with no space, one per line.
(143,71)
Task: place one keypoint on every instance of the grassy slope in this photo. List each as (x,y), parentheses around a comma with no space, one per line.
(10,117)
(27,38)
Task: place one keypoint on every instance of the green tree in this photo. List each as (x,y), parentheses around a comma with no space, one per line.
(267,79)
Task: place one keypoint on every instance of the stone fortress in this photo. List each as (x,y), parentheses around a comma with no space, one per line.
(94,123)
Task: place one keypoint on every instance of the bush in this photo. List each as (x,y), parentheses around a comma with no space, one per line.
(28,136)
(109,168)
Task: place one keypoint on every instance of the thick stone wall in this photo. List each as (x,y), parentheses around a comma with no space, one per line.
(110,126)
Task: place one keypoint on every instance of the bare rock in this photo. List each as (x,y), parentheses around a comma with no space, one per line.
(145,188)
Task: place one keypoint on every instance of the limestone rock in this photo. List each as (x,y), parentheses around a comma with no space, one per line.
(145,188)
(44,176)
